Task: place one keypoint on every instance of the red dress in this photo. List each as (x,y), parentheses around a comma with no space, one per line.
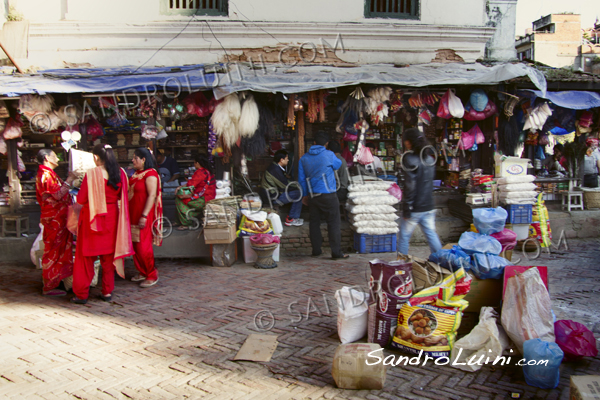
(152,232)
(54,201)
(91,244)
(203,182)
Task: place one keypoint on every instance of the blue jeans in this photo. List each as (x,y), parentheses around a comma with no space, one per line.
(426,220)
(294,197)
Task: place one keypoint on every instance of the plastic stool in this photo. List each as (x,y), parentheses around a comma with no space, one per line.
(20,222)
(572,201)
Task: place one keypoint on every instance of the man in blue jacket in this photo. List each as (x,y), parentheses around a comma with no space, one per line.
(317,178)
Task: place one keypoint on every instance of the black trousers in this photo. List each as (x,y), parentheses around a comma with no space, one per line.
(590,180)
(342,195)
(325,205)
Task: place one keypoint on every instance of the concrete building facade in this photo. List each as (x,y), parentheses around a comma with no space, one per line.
(59,33)
(554,41)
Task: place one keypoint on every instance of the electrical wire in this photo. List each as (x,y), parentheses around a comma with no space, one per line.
(217,39)
(254,23)
(163,46)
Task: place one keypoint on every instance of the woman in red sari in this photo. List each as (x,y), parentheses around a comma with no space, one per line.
(145,207)
(204,187)
(103,228)
(54,200)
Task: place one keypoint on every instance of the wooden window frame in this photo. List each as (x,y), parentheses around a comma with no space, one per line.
(223,11)
(414,12)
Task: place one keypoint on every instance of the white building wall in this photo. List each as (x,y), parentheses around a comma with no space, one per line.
(128,32)
(435,12)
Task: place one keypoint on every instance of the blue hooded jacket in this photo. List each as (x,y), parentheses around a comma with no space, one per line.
(318,166)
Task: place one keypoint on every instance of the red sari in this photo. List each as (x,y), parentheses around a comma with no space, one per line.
(99,236)
(152,232)
(54,200)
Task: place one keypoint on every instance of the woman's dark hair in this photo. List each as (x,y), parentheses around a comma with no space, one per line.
(334,146)
(107,156)
(559,147)
(149,162)
(42,154)
(202,159)
(279,155)
(416,138)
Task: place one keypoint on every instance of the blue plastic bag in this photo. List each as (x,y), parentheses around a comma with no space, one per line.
(544,376)
(472,242)
(451,259)
(489,220)
(488,266)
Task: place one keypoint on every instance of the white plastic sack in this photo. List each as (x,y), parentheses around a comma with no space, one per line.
(352,318)
(364,209)
(373,217)
(36,246)
(386,199)
(484,340)
(369,186)
(527,310)
(516,179)
(455,106)
(517,195)
(518,187)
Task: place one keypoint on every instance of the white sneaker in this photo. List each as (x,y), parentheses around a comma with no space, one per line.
(297,222)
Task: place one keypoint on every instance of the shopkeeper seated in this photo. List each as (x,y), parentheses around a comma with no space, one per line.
(201,188)
(168,169)
(274,184)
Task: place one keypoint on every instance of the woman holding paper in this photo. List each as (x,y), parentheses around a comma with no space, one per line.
(145,206)
(202,189)
(103,228)
(54,200)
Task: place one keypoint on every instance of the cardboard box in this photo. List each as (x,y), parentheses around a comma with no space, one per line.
(484,293)
(510,166)
(585,387)
(219,235)
(512,270)
(468,322)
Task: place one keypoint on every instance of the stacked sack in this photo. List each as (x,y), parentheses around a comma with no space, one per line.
(371,207)
(517,189)
(390,287)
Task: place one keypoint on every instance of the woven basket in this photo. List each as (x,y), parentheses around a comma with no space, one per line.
(591,199)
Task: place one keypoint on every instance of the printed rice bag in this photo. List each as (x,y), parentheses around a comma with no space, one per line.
(430,319)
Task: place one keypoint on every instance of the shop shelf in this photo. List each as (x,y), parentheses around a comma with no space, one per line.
(364,243)
(519,213)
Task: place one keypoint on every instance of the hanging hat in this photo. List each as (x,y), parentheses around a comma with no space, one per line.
(478,100)
(591,142)
(586,119)
(580,129)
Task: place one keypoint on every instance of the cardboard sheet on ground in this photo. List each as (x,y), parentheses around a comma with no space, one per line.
(257,348)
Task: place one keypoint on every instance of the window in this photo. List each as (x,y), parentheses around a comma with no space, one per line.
(406,9)
(198,7)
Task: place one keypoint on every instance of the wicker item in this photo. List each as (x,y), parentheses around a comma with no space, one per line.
(591,198)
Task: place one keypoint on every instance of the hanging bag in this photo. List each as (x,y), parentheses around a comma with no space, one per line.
(457,110)
(444,109)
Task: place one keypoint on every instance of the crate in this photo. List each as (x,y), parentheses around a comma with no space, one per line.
(364,243)
(519,213)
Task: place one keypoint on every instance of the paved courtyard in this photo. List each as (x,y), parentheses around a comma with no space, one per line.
(178,339)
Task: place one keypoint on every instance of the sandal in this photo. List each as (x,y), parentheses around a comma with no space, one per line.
(107,298)
(54,293)
(183,228)
(340,257)
(77,300)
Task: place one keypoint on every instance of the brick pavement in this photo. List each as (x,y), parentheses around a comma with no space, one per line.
(177,339)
